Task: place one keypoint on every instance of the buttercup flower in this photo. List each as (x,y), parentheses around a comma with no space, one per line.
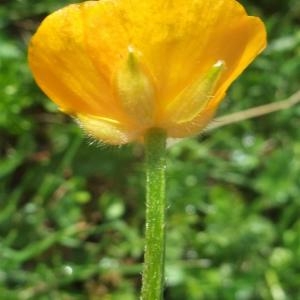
(121,67)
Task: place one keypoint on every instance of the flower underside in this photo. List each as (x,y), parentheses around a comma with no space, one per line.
(124,66)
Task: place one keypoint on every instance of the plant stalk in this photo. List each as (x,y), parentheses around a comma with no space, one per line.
(154,257)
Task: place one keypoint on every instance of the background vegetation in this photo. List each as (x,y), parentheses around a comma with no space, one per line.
(72,213)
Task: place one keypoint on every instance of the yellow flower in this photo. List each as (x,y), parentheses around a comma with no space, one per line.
(121,67)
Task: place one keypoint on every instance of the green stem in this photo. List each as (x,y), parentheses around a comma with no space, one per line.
(154,259)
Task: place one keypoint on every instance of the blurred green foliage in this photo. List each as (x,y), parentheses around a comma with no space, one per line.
(72,213)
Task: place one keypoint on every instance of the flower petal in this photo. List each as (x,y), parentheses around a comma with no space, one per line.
(181,39)
(63,69)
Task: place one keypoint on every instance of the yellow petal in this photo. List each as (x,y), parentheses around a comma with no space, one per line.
(182,39)
(63,68)
(178,40)
(106,37)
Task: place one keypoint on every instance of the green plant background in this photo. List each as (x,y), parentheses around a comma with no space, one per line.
(72,211)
